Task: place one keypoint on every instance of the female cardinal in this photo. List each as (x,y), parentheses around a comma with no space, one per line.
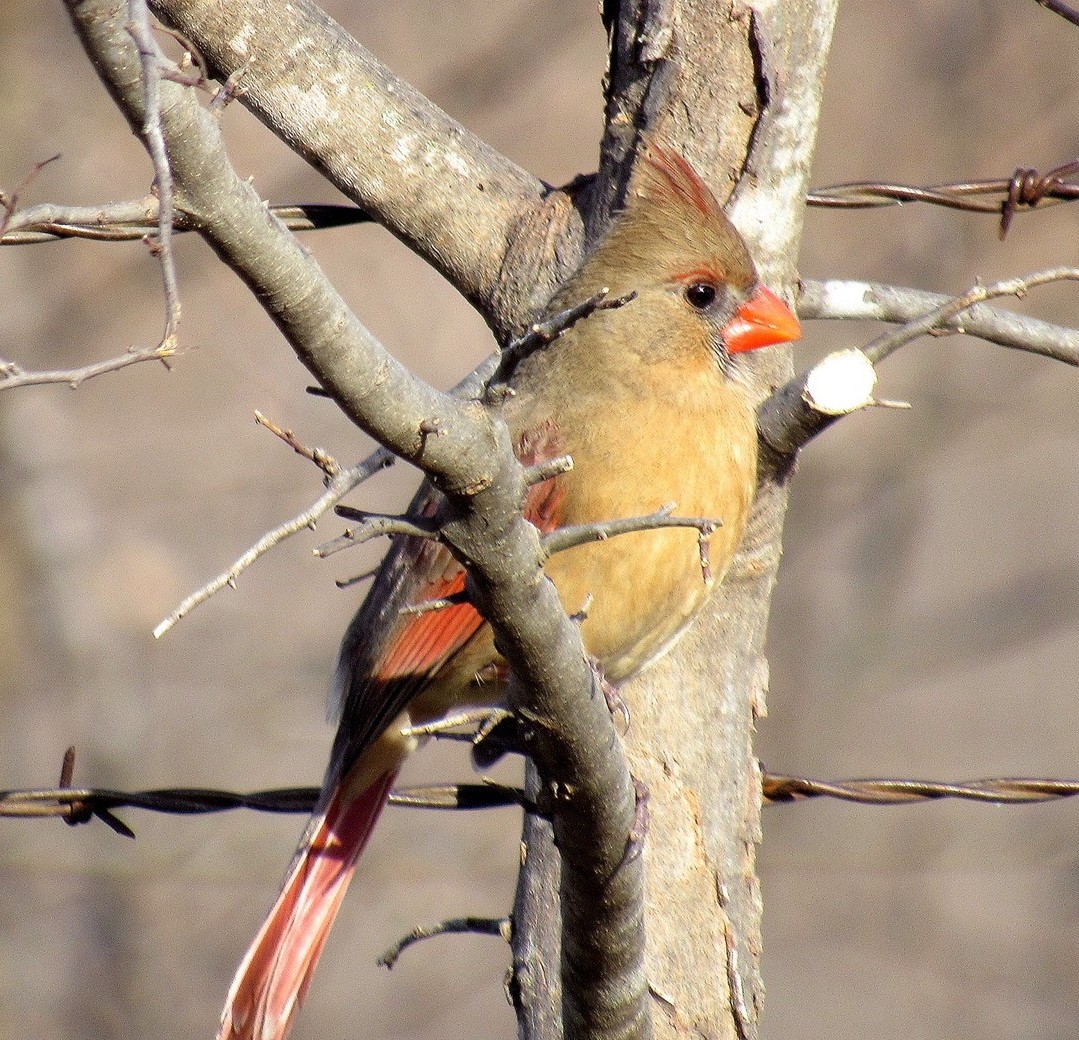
(648,401)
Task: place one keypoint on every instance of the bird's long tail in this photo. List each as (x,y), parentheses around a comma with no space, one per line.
(272,981)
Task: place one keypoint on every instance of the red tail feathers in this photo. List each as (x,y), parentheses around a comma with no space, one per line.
(272,980)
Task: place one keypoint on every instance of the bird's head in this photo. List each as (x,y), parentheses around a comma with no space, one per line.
(674,247)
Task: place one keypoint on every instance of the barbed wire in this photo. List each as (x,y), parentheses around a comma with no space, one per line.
(127,222)
(999,790)
(1026,189)
(75,805)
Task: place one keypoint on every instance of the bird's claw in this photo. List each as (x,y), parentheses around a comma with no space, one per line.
(498,734)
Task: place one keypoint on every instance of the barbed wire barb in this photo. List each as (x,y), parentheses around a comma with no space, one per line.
(1025,189)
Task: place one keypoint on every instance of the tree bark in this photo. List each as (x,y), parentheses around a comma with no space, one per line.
(742,101)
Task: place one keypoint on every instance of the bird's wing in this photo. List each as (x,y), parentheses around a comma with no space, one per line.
(391,653)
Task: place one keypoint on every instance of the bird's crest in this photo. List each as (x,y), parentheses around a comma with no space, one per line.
(664,174)
(671,224)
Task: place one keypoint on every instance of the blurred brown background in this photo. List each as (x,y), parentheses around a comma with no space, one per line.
(926,622)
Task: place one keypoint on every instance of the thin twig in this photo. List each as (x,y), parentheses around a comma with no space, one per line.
(499,926)
(564,538)
(336,489)
(13,375)
(151,61)
(374,525)
(325,462)
(542,334)
(356,579)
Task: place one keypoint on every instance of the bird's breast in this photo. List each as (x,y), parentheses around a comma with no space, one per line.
(638,591)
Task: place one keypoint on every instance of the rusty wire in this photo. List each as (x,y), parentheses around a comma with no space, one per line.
(999,791)
(75,805)
(1025,189)
(135,221)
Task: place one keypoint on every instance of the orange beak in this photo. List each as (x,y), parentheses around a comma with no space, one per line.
(762,321)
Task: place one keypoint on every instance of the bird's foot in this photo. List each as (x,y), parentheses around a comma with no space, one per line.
(498,734)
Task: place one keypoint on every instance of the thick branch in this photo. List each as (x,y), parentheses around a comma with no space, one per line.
(843,298)
(572,736)
(790,418)
(449,196)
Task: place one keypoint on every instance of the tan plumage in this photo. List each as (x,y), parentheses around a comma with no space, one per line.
(647,399)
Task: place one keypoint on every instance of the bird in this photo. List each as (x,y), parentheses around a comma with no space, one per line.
(652,403)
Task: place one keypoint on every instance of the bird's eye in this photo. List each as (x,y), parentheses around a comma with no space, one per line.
(700,295)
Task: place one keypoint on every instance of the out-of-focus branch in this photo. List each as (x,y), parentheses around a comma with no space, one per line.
(9,200)
(1061,8)
(791,416)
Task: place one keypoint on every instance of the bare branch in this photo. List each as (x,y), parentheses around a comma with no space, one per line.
(336,489)
(13,375)
(500,926)
(151,60)
(374,525)
(564,538)
(325,462)
(841,298)
(541,471)
(790,417)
